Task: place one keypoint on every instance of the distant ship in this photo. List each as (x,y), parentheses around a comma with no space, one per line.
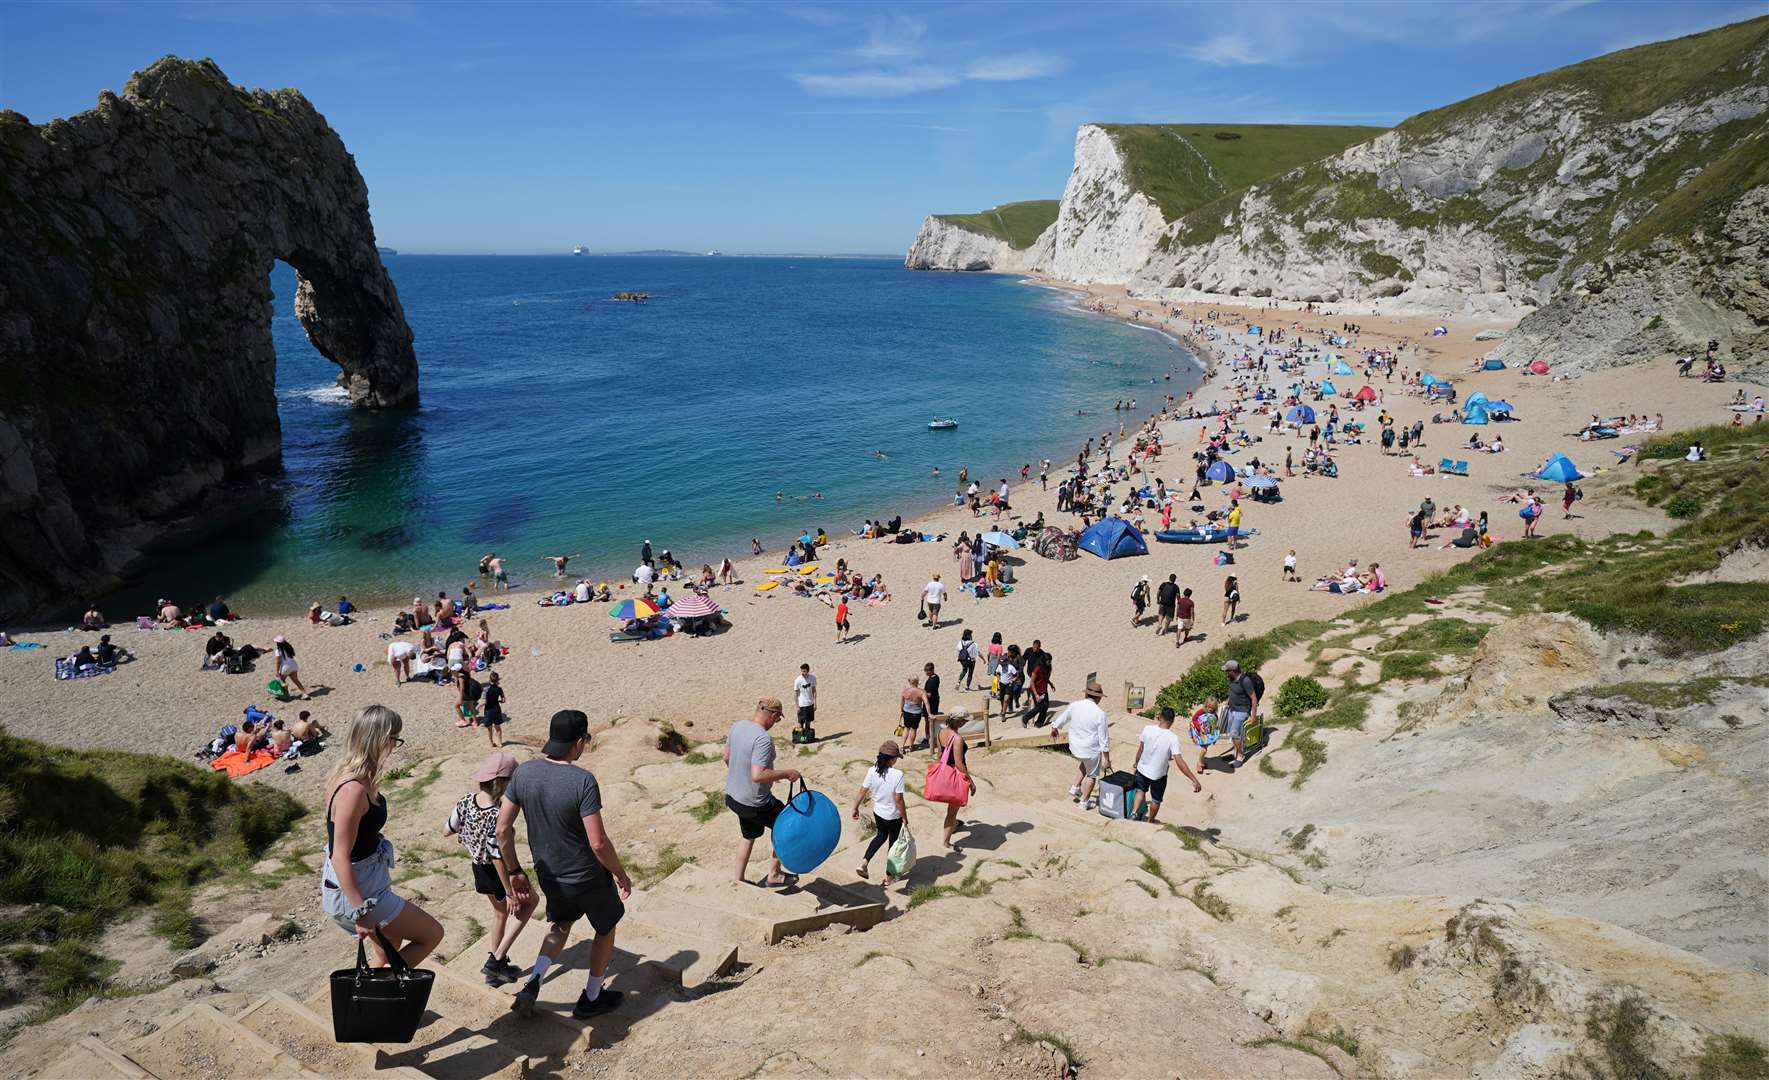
(580,250)
(715,251)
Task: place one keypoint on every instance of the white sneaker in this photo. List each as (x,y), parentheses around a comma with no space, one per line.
(1091,804)
(1074,790)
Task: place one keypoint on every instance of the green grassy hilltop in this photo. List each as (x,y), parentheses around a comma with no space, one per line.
(1185,166)
(1018,223)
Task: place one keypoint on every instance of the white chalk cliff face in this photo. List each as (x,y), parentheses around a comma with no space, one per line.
(942,245)
(1537,204)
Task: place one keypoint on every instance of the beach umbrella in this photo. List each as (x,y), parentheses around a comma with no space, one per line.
(1366,392)
(694,605)
(1300,414)
(1498,406)
(1262,482)
(1328,388)
(999,539)
(1220,471)
(635,608)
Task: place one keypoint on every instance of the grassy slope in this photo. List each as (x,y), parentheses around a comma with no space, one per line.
(1018,223)
(1185,166)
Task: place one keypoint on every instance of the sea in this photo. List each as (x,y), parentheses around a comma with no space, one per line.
(747,398)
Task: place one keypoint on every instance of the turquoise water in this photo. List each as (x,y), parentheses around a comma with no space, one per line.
(555,420)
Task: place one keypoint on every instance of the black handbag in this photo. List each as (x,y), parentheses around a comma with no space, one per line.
(379,1005)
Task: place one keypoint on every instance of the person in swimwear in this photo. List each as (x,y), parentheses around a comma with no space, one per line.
(559,562)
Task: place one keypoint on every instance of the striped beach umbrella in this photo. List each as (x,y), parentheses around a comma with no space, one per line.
(692,605)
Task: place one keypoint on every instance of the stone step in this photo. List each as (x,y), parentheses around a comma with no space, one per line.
(90,1059)
(694,900)
(306,1036)
(468,1033)
(199,1041)
(680,959)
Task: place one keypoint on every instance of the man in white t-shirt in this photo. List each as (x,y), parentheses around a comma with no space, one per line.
(805,687)
(644,575)
(932,596)
(1090,738)
(1155,752)
(581,594)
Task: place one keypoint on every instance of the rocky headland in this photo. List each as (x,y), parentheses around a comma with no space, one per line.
(137,373)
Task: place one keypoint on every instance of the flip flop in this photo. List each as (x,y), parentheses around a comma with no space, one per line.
(787,882)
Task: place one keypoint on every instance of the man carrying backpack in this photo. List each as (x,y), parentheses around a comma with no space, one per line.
(1244,692)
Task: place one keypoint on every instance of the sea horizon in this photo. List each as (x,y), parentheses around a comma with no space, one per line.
(677,421)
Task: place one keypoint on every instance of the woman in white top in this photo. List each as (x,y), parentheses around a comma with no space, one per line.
(286,667)
(884,783)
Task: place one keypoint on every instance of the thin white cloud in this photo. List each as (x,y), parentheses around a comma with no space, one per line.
(1027,65)
(816,16)
(878,83)
(1230,50)
(893,36)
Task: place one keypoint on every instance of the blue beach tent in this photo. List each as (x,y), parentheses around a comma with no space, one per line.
(1343,368)
(1300,414)
(1220,471)
(1474,414)
(1494,364)
(1328,388)
(1559,469)
(1255,330)
(1428,379)
(1112,538)
(1476,398)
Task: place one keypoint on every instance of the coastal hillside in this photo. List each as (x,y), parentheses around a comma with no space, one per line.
(1611,205)
(1004,238)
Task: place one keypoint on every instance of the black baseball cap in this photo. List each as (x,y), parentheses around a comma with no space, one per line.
(566,727)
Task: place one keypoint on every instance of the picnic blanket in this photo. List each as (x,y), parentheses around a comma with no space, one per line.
(65,669)
(27,645)
(236,764)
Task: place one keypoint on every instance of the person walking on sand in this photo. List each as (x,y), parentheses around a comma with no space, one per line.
(804,689)
(749,779)
(930,685)
(933,595)
(1185,611)
(913,703)
(1156,750)
(951,750)
(1139,601)
(1290,567)
(1090,739)
(1166,595)
(575,863)
(1531,515)
(475,820)
(287,668)
(1234,524)
(967,659)
(1571,495)
(356,882)
(1231,599)
(841,618)
(491,717)
(890,816)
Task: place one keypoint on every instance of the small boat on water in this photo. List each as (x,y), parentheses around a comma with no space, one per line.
(944,423)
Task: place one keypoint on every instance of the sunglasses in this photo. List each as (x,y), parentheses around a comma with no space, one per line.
(398,742)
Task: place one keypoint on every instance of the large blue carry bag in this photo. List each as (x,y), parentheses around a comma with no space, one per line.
(806,831)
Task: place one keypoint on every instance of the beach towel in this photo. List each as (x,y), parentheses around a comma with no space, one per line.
(65,669)
(494,607)
(236,764)
(26,645)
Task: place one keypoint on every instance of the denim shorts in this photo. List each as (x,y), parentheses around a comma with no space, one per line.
(374,877)
(1237,724)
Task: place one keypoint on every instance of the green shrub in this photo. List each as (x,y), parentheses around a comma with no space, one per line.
(1299,694)
(1683,507)
(1407,665)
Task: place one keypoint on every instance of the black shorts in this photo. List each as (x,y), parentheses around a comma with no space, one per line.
(486,881)
(597,901)
(752,821)
(492,719)
(1157,789)
(807,714)
(911,721)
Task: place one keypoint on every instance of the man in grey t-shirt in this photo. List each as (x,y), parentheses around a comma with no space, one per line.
(575,863)
(749,779)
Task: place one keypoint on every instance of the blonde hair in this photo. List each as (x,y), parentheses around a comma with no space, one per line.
(366,748)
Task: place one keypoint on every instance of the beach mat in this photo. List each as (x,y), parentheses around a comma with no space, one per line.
(236,764)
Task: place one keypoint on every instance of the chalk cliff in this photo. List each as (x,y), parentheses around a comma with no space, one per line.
(1616,207)
(945,245)
(137,372)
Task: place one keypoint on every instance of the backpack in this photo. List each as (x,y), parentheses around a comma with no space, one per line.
(1578,494)
(234,663)
(227,732)
(1257,682)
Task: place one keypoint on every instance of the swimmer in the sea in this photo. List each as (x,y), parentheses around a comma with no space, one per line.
(879,454)
(779,496)
(559,562)
(936,470)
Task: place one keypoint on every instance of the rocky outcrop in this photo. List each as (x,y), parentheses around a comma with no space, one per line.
(137,373)
(1106,229)
(946,245)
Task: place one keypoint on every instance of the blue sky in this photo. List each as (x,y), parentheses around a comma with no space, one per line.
(825,127)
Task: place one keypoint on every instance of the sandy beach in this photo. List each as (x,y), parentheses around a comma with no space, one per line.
(561,657)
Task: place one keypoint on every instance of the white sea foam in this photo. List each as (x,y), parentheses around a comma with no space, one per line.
(329,394)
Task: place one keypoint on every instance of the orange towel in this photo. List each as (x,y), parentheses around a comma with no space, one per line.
(236,764)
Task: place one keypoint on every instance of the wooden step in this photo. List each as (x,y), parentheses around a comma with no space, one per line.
(200,1041)
(695,901)
(680,959)
(306,1036)
(90,1059)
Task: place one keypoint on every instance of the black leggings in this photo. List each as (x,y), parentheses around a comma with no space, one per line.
(967,670)
(884,835)
(1039,713)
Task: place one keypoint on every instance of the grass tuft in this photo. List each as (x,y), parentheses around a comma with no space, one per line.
(711,804)
(1211,904)
(1055,1042)
(1732,1057)
(1402,957)
(669,860)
